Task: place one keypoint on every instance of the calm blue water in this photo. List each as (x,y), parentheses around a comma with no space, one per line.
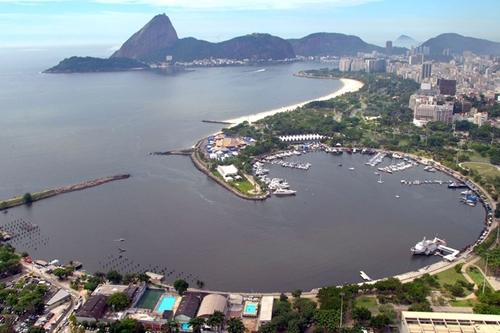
(62,129)
(251,309)
(166,303)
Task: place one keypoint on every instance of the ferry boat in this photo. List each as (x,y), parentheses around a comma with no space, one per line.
(281,192)
(427,246)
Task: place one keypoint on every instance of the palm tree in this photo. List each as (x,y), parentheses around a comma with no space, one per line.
(235,325)
(197,323)
(216,320)
(171,326)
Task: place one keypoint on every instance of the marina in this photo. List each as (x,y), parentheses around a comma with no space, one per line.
(176,220)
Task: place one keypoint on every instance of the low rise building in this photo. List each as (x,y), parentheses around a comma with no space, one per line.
(266,309)
(93,309)
(212,303)
(480,118)
(440,322)
(228,172)
(188,308)
(60,297)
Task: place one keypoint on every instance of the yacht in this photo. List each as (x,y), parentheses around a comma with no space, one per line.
(281,192)
(427,246)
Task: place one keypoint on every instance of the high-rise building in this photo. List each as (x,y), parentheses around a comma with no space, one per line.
(345,64)
(426,70)
(416,59)
(388,47)
(426,108)
(447,87)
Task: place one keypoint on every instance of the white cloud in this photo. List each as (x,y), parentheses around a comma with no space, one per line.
(238,4)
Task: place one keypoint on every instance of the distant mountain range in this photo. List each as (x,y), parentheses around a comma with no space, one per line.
(335,44)
(457,44)
(158,39)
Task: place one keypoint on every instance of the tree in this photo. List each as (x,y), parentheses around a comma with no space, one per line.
(235,325)
(181,286)
(297,293)
(126,326)
(361,314)
(216,320)
(196,324)
(327,320)
(62,273)
(118,301)
(114,277)
(172,326)
(27,198)
(380,321)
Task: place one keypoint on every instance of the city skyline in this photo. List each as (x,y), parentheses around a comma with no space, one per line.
(62,22)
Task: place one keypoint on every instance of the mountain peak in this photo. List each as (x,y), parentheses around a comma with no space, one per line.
(405,41)
(158,33)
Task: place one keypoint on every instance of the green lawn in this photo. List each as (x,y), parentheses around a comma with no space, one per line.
(476,157)
(367,302)
(450,276)
(477,276)
(463,303)
(484,169)
(243,185)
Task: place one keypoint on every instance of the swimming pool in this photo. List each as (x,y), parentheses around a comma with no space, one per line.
(166,303)
(250,309)
(185,327)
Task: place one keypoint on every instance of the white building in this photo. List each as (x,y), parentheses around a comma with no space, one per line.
(266,309)
(439,322)
(227,171)
(480,118)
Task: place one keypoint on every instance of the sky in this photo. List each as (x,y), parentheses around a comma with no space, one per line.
(111,22)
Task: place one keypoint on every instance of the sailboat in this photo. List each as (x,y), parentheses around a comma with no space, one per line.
(380,181)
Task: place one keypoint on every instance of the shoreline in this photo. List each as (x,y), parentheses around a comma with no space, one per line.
(348,86)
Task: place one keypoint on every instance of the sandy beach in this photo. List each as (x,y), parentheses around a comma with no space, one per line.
(348,85)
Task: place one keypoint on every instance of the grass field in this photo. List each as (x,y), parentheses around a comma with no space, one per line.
(463,303)
(367,302)
(476,275)
(243,186)
(450,276)
(484,169)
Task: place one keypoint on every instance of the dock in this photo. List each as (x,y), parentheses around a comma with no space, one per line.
(452,253)
(365,276)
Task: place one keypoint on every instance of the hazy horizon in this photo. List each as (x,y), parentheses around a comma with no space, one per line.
(28,23)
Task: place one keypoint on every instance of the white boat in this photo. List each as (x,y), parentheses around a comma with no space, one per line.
(351,168)
(427,246)
(281,192)
(380,181)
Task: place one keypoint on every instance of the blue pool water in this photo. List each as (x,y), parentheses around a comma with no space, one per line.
(185,327)
(166,303)
(251,309)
